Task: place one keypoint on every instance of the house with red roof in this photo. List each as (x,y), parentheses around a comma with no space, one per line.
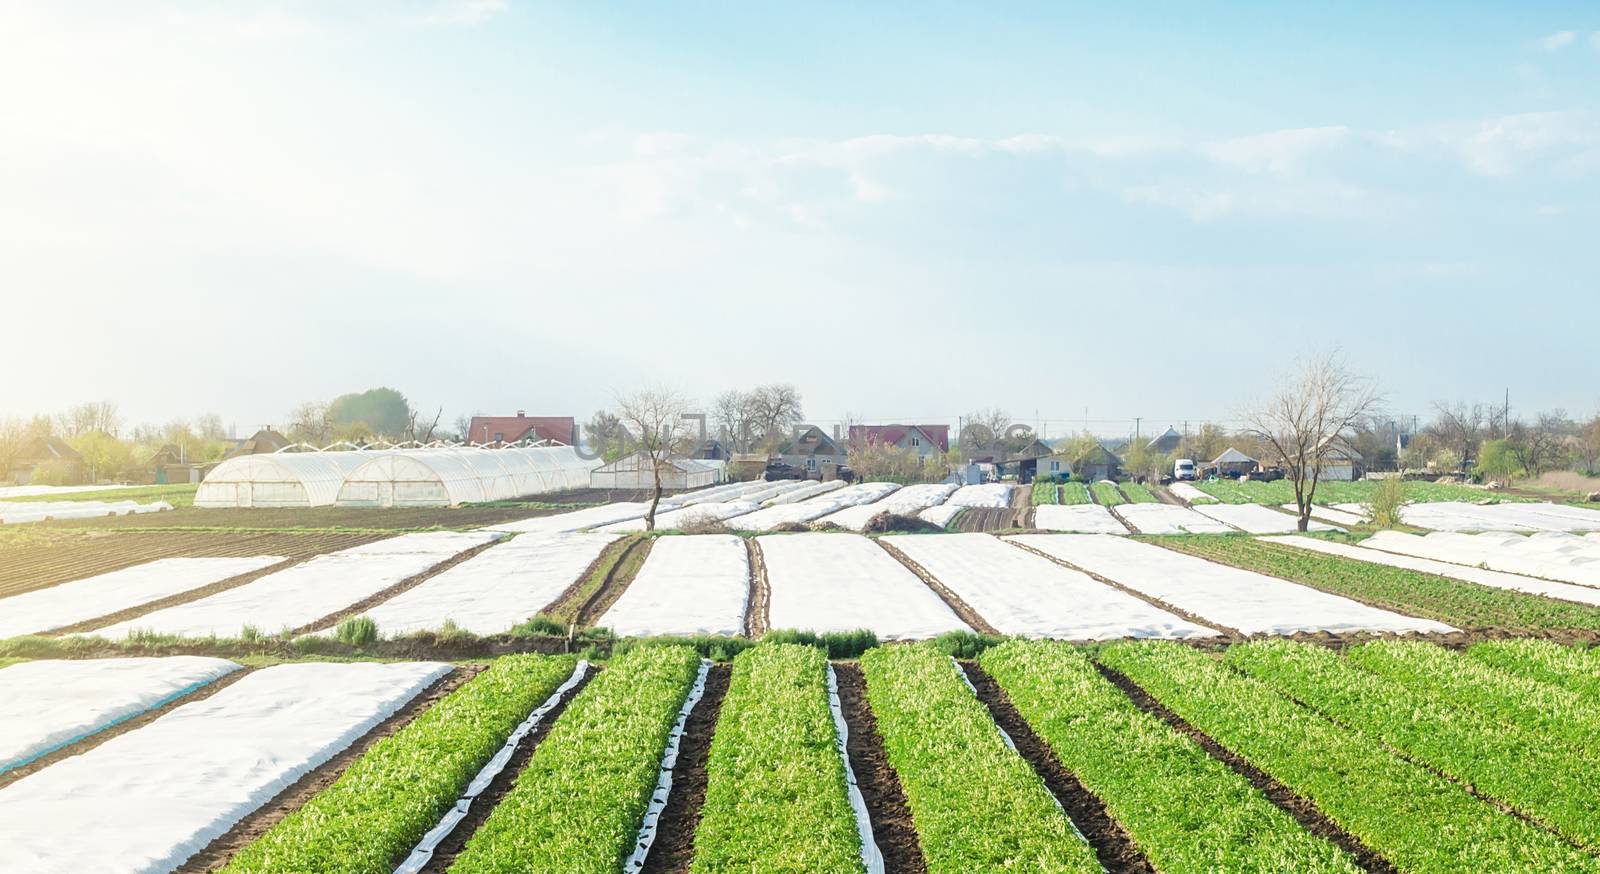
(510,429)
(925,440)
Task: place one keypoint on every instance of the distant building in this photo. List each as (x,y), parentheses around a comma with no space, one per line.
(1168,442)
(925,440)
(1342,463)
(262,442)
(1232,462)
(711,450)
(812,449)
(637,472)
(1025,462)
(49,453)
(169,465)
(510,429)
(1098,463)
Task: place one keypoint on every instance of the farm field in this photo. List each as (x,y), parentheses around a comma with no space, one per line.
(359,519)
(1256,518)
(1336,492)
(1137,493)
(1077,519)
(1075,493)
(842,582)
(1106,494)
(1169,519)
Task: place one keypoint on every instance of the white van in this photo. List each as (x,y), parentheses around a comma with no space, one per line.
(1183,469)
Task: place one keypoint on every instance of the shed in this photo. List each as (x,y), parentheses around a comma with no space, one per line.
(637,472)
(1097,463)
(1232,462)
(1167,443)
(50,453)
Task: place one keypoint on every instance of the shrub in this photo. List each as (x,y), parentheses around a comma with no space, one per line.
(1387,499)
(357,631)
(838,644)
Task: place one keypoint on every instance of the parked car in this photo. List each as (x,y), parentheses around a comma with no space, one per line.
(777,470)
(1267,475)
(1183,469)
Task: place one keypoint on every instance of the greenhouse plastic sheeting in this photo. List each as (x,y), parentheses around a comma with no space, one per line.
(302,594)
(1077,519)
(1256,518)
(994,496)
(1169,519)
(463,475)
(696,584)
(1500,552)
(1020,593)
(1497,579)
(52,703)
(769,518)
(279,479)
(1249,602)
(841,582)
(90,598)
(904,502)
(149,799)
(503,586)
(687,517)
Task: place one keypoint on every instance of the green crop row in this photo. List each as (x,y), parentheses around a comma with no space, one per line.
(1336,492)
(1044,493)
(1139,494)
(776,794)
(1187,811)
(578,803)
(1412,817)
(977,805)
(1106,494)
(378,809)
(1501,761)
(1451,601)
(1075,493)
(1573,668)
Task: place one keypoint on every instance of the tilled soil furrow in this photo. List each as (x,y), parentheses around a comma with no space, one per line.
(1302,809)
(757,606)
(892,826)
(1233,633)
(1111,843)
(673,848)
(617,580)
(404,585)
(961,608)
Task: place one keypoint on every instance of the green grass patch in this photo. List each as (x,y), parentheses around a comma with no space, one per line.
(1574,668)
(1107,494)
(776,796)
(620,556)
(1336,492)
(977,805)
(1187,811)
(371,817)
(1045,493)
(837,644)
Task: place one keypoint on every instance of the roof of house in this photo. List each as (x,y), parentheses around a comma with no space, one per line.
(1233,456)
(1097,454)
(892,434)
(260,443)
(513,428)
(49,447)
(1169,439)
(811,441)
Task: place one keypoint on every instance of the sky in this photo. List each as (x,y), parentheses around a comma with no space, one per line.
(1077,212)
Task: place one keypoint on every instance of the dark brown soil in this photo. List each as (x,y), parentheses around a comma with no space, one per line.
(1232,633)
(756,607)
(248,830)
(1112,844)
(673,848)
(121,728)
(961,608)
(892,826)
(1303,811)
(410,582)
(617,580)
(485,803)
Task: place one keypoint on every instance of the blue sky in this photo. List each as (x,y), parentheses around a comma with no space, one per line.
(909,211)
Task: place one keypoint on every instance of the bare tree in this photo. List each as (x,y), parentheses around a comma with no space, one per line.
(775,410)
(1537,447)
(655,417)
(1460,428)
(422,431)
(1589,446)
(87,417)
(981,430)
(1309,418)
(311,422)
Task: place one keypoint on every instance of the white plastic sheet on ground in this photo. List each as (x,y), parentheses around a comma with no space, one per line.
(769,518)
(841,582)
(694,584)
(151,798)
(1249,602)
(994,496)
(1497,579)
(871,856)
(775,490)
(688,517)
(724,492)
(1169,519)
(903,502)
(19,512)
(1077,519)
(1020,593)
(578,520)
(1190,492)
(809,490)
(501,587)
(307,592)
(1339,514)
(1256,518)
(1457,516)
(33,491)
(52,703)
(1502,552)
(92,597)
(942,515)
(646,836)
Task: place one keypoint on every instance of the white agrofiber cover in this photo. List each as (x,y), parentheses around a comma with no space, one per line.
(994,496)
(809,490)
(1496,579)
(578,520)
(1249,602)
(52,703)
(1024,594)
(149,799)
(92,597)
(1457,516)
(688,517)
(1256,518)
(1169,519)
(1077,519)
(16,513)
(769,518)
(1190,492)
(774,490)
(841,582)
(32,491)
(904,502)
(1508,553)
(302,594)
(1345,517)
(941,515)
(693,584)
(503,586)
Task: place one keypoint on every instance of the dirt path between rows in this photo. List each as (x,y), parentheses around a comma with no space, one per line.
(246,831)
(758,605)
(892,828)
(205,591)
(1302,809)
(485,803)
(961,608)
(411,582)
(1111,843)
(1232,633)
(80,747)
(673,848)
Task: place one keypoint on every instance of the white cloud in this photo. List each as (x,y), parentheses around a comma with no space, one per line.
(1557,41)
(448,12)
(1277,151)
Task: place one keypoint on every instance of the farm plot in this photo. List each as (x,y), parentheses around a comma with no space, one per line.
(1501,517)
(1257,519)
(698,515)
(1191,494)
(105,594)
(1575,669)
(163,792)
(843,582)
(494,590)
(1077,519)
(903,502)
(694,584)
(51,704)
(1046,493)
(579,520)
(303,594)
(1027,595)
(1496,579)
(991,496)
(1106,494)
(771,491)
(1248,602)
(941,515)
(809,490)
(1169,519)
(1510,553)
(768,518)
(1138,493)
(19,512)
(1347,514)
(1075,493)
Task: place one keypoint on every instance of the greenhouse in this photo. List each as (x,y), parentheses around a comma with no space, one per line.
(280,479)
(636,471)
(462,475)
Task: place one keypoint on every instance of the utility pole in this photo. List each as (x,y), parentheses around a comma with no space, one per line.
(1136,421)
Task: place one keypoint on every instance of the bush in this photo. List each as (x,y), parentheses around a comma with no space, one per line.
(1387,499)
(838,644)
(965,644)
(357,631)
(887,522)
(540,626)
